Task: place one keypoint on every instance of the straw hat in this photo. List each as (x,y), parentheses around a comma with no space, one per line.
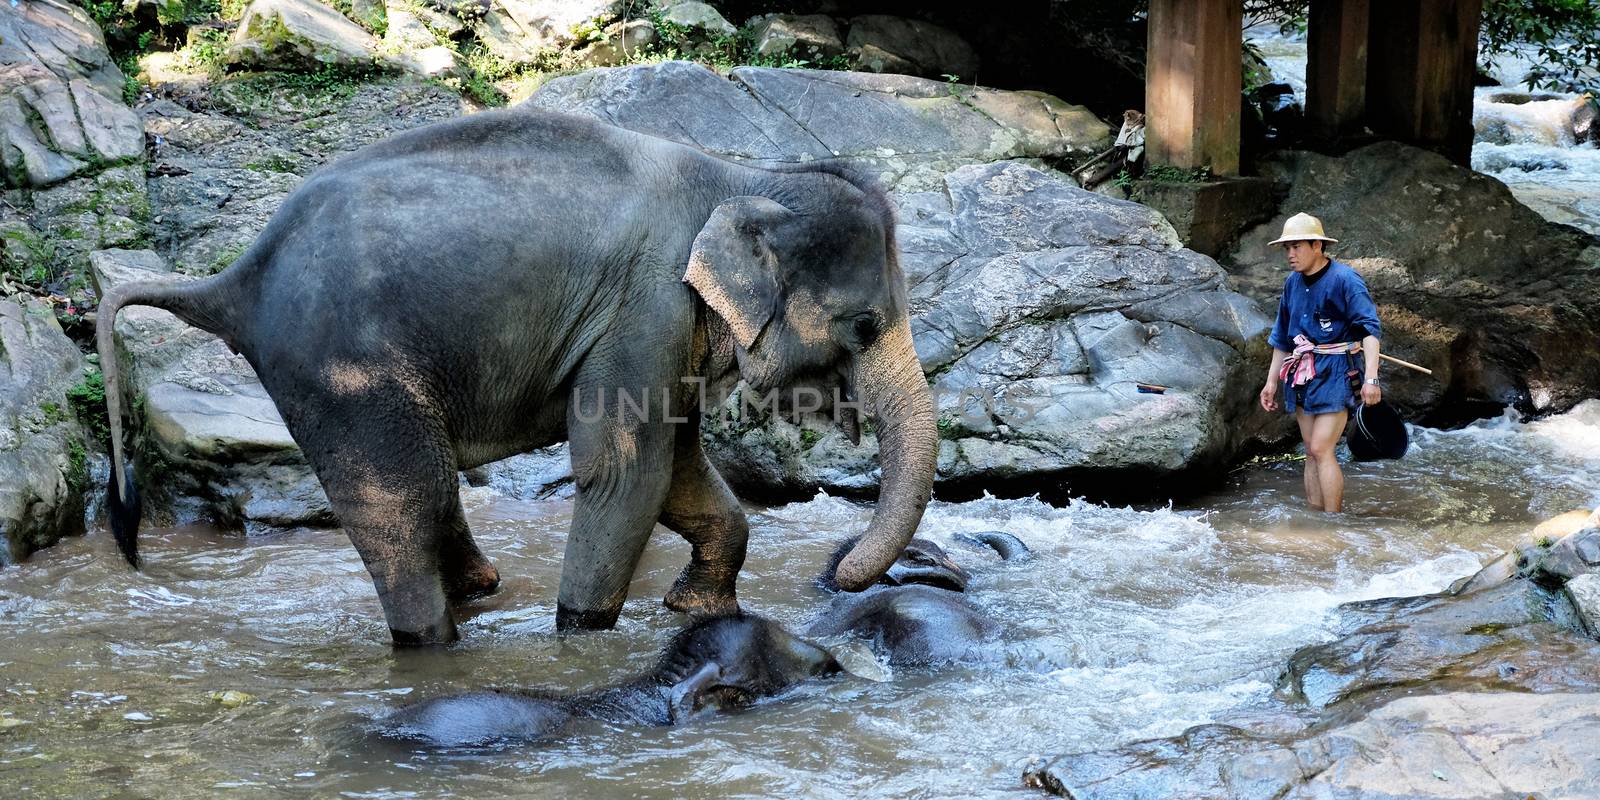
(1302,227)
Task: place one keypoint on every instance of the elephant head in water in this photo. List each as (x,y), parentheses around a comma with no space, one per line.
(713,665)
(487,285)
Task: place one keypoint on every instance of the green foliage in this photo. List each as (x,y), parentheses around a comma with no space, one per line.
(809,438)
(77,465)
(1563,36)
(88,402)
(1163,173)
(206,49)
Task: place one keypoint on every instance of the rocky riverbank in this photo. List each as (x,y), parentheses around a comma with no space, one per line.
(1491,689)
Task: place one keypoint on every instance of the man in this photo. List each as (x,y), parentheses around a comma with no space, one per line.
(1325,317)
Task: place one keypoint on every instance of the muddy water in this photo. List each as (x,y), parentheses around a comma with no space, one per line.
(1129,623)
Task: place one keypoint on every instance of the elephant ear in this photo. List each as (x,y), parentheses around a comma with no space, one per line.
(734,269)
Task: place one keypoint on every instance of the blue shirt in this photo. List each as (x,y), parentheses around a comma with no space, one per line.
(1333,306)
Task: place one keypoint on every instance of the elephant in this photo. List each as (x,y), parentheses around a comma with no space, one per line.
(918,614)
(715,664)
(479,287)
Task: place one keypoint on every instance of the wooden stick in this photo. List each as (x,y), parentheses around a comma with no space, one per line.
(1408,364)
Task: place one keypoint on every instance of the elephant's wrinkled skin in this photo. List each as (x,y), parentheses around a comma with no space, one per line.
(713,665)
(484,286)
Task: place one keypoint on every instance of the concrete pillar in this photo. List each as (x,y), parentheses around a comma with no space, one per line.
(1192,83)
(1336,67)
(1421,58)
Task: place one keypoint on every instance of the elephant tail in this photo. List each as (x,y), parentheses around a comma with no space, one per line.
(198,303)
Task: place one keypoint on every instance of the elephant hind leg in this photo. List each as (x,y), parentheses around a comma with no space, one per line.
(467,571)
(390,476)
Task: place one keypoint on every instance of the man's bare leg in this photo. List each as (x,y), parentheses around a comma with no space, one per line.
(1325,432)
(1313,483)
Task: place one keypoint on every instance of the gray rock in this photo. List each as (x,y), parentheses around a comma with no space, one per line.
(522,31)
(60,97)
(1457,745)
(1575,554)
(218,179)
(1501,304)
(42,446)
(810,36)
(291,34)
(699,18)
(210,433)
(882,43)
(1048,302)
(1583,592)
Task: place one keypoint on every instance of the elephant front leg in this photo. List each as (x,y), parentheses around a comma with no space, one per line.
(704,511)
(621,473)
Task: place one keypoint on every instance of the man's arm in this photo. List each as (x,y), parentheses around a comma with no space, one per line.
(1269,391)
(1370,392)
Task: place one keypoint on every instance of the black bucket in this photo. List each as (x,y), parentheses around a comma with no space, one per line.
(1376,431)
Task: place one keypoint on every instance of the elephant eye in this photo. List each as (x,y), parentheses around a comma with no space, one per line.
(866,330)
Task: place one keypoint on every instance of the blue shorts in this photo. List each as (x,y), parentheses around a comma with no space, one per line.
(1331,390)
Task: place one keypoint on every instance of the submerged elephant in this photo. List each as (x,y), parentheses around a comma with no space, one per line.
(919,613)
(716,664)
(492,284)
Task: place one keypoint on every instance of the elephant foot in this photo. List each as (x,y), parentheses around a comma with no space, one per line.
(479,580)
(572,619)
(694,597)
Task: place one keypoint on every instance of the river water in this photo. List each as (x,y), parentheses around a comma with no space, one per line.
(1128,623)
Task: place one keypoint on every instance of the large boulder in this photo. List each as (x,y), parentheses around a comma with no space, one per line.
(216,177)
(806,36)
(43,455)
(61,111)
(1459,745)
(883,43)
(524,31)
(1038,307)
(291,34)
(1502,305)
(211,444)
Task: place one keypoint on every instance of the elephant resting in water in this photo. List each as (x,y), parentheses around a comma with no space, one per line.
(715,664)
(919,613)
(488,285)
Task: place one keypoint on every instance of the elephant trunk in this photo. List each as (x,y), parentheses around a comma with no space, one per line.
(889,380)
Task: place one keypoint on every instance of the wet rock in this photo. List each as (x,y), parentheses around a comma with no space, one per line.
(809,36)
(1575,554)
(1501,304)
(1455,745)
(292,34)
(1045,302)
(882,43)
(61,111)
(42,446)
(1583,592)
(212,445)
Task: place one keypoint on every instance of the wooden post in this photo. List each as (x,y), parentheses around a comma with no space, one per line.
(1421,58)
(1192,82)
(1336,67)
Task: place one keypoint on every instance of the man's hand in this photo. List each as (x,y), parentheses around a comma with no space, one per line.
(1269,396)
(1371,394)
